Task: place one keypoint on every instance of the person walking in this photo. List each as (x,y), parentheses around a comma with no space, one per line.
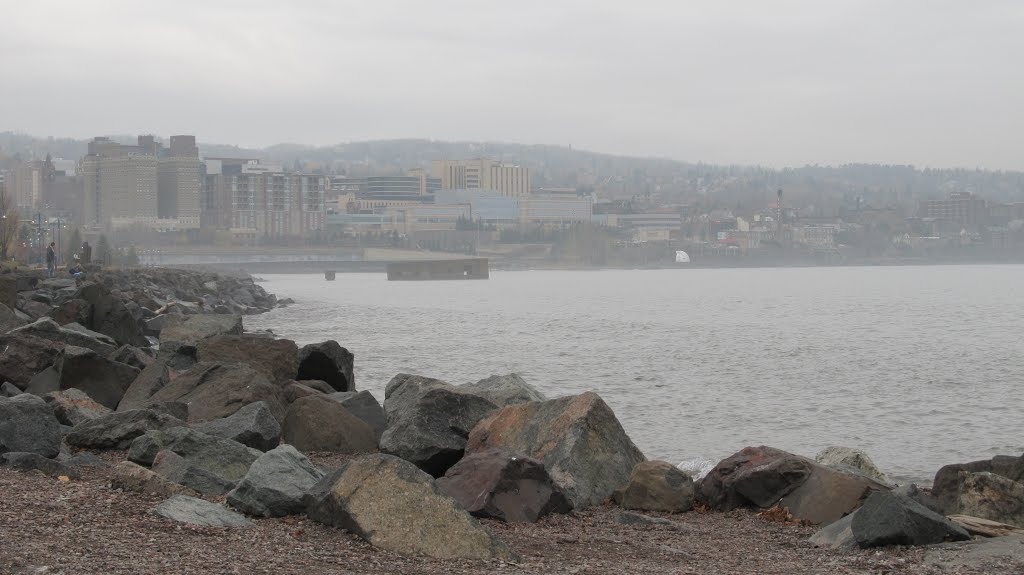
(51,259)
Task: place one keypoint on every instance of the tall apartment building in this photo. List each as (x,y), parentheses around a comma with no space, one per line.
(178,182)
(962,208)
(266,202)
(119,183)
(510,181)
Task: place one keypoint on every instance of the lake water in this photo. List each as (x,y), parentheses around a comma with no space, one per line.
(919,366)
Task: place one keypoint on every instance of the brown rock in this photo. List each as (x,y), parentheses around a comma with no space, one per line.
(990,496)
(295,390)
(500,484)
(132,477)
(74,406)
(24,356)
(212,391)
(657,486)
(318,424)
(578,438)
(278,359)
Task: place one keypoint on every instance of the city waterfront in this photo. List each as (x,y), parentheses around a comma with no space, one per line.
(919,366)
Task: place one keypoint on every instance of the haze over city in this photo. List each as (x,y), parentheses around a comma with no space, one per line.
(776,84)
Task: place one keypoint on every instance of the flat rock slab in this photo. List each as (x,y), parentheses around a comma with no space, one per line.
(191,329)
(185,509)
(999,554)
(28,424)
(277,359)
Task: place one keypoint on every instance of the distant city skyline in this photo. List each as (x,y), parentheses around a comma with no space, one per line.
(781,84)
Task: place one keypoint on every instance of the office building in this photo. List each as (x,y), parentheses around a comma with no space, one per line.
(178,182)
(509,181)
(119,183)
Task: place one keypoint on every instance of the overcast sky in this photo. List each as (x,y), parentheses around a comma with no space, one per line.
(929,82)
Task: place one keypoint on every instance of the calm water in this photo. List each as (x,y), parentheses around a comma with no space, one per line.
(919,366)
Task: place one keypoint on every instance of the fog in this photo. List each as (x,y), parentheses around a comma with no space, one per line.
(773,83)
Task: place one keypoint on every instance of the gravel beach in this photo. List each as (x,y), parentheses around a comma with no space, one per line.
(84,527)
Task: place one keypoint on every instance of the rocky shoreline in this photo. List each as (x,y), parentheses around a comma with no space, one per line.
(142,430)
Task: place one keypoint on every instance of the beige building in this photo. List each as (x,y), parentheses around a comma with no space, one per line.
(119,184)
(510,181)
(268,203)
(178,182)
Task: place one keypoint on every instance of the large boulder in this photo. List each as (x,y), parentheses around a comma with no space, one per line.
(890,519)
(213,391)
(295,390)
(327,361)
(500,484)
(848,458)
(27,424)
(578,438)
(133,356)
(44,382)
(100,378)
(395,506)
(365,406)
(191,329)
(72,311)
(275,484)
(9,320)
(946,485)
(277,359)
(25,356)
(990,496)
(224,457)
(176,468)
(149,381)
(8,290)
(27,461)
(764,477)
(194,511)
(318,424)
(429,421)
(8,389)
(657,486)
(253,425)
(129,476)
(74,406)
(46,328)
(108,315)
(505,390)
(119,429)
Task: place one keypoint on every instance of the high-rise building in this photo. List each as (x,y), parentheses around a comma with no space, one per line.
(266,202)
(178,182)
(510,181)
(119,183)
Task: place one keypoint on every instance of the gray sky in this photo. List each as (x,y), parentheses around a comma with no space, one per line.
(772,82)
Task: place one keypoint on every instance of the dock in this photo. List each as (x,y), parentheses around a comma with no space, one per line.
(427,270)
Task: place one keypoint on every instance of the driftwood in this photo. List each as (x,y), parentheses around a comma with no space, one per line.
(984,527)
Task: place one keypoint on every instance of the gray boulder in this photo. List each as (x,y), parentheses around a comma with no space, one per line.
(73,406)
(27,424)
(128,476)
(836,535)
(119,429)
(395,506)
(578,438)
(429,421)
(890,519)
(327,361)
(191,329)
(108,315)
(8,389)
(177,356)
(102,379)
(133,356)
(9,320)
(46,381)
(27,461)
(149,381)
(275,484)
(46,328)
(656,486)
(500,484)
(253,425)
(505,390)
(843,458)
(176,468)
(214,391)
(318,424)
(365,406)
(193,511)
(224,457)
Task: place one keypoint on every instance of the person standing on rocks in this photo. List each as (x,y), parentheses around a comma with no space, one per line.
(51,259)
(86,253)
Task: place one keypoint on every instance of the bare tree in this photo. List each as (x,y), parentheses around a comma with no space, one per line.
(8,223)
